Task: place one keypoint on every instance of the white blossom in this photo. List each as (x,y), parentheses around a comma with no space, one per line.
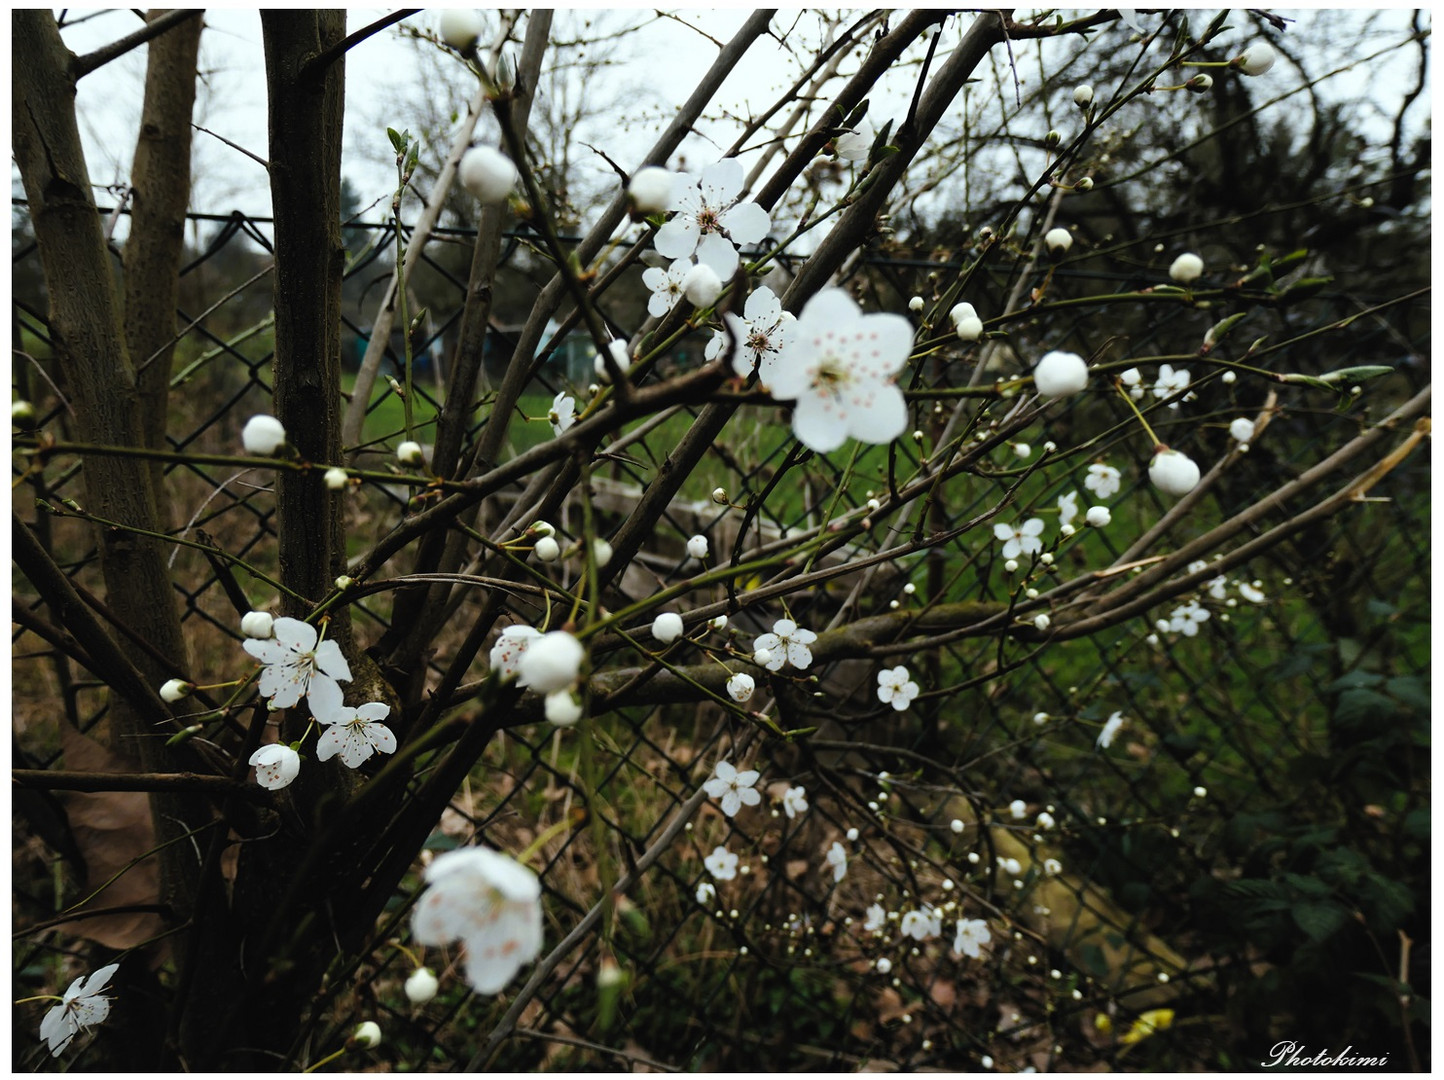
(356,734)
(794,801)
(297,666)
(488,901)
(740,687)
(1110,731)
(1103,480)
(510,646)
(839,371)
(721,864)
(1187,619)
(971,936)
(787,644)
(81,1006)
(1067,508)
(735,789)
(1060,374)
(488,174)
(706,893)
(1252,593)
(895,688)
(1020,539)
(855,145)
(837,859)
(263,435)
(710,220)
(667,286)
(1133,379)
(922,923)
(762,335)
(551,662)
(1173,472)
(1170,381)
(563,413)
(276,766)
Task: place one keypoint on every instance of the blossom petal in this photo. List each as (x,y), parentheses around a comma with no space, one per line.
(324,697)
(746,223)
(382,737)
(762,305)
(722,182)
(268,651)
(716,251)
(677,239)
(332,661)
(880,414)
(330,742)
(297,635)
(815,423)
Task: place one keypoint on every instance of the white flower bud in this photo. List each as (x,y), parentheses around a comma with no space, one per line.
(343,583)
(1241,429)
(697,547)
(421,986)
(916,304)
(956,825)
(883,965)
(257,624)
(667,627)
(263,435)
(552,662)
(702,286)
(1018,808)
(547,549)
(22,413)
(367,1035)
(740,687)
(650,190)
(1086,184)
(719,496)
(1066,529)
(1083,96)
(1229,377)
(1256,59)
(1010,565)
(1060,374)
(460,28)
(1200,84)
(1186,268)
(762,657)
(1041,718)
(1200,792)
(1098,516)
(409,453)
(969,329)
(561,708)
(1023,450)
(1045,821)
(1058,241)
(1173,473)
(719,623)
(336,478)
(1042,622)
(488,174)
(623,359)
(910,588)
(961,311)
(601,552)
(175,689)
(542,528)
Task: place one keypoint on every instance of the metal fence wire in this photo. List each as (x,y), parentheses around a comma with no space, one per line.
(1141,885)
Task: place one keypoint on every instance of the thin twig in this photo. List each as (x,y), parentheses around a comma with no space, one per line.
(84,65)
(234,146)
(321,61)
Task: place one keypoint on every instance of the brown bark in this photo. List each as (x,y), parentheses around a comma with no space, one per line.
(91,354)
(160,192)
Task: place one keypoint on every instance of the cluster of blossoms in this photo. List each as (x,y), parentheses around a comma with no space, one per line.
(550,664)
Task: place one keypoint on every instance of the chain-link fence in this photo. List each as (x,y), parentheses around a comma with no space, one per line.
(1136,848)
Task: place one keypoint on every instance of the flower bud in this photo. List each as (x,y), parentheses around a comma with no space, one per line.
(1241,429)
(719,623)
(1083,96)
(1052,139)
(601,552)
(22,414)
(263,435)
(1086,184)
(175,689)
(667,627)
(1256,59)
(1186,268)
(969,329)
(488,174)
(702,286)
(1098,516)
(336,478)
(257,624)
(650,190)
(547,549)
(460,28)
(1199,84)
(1173,473)
(1060,374)
(367,1035)
(1058,241)
(916,304)
(1042,622)
(409,453)
(740,687)
(343,583)
(562,708)
(697,547)
(762,657)
(719,496)
(552,662)
(421,986)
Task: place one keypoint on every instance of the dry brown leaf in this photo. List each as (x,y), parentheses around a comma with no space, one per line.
(111,828)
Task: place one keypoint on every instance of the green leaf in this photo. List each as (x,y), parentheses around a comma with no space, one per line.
(1355,680)
(1357,706)
(398,141)
(1411,690)
(1362,373)
(1320,919)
